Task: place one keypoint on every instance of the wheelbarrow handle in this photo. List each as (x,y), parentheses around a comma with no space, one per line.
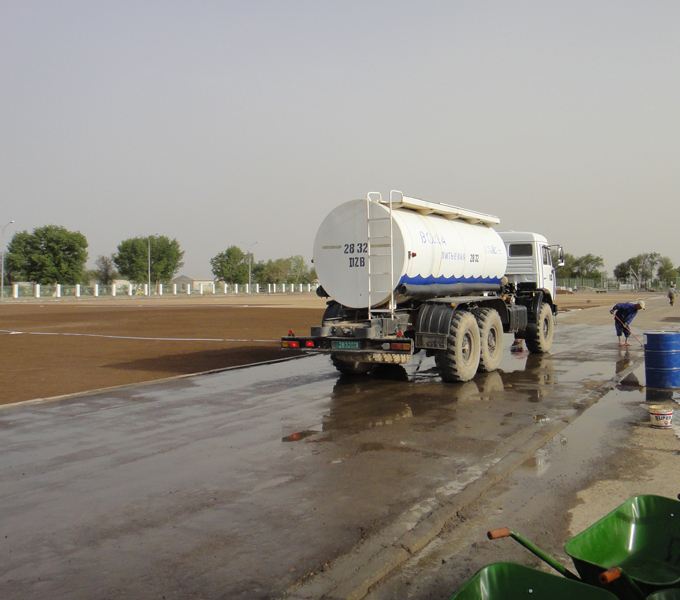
(609,575)
(614,573)
(497,534)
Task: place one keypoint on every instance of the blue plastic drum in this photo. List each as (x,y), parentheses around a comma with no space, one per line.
(662,359)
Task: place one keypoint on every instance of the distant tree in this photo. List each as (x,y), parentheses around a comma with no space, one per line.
(588,266)
(286,270)
(666,271)
(50,255)
(583,267)
(622,272)
(132,259)
(274,271)
(231,266)
(105,271)
(649,264)
(640,268)
(299,271)
(88,276)
(567,270)
(11,275)
(257,272)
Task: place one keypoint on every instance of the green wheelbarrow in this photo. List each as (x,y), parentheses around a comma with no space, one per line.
(634,550)
(510,581)
(641,537)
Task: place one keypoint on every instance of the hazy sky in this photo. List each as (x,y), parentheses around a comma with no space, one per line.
(221,123)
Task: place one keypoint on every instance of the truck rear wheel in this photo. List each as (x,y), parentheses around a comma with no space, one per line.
(333,310)
(491,338)
(460,360)
(540,335)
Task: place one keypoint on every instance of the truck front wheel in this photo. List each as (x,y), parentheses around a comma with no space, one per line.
(540,335)
(460,360)
(491,337)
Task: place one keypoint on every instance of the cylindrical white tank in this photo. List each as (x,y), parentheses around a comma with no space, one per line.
(427,250)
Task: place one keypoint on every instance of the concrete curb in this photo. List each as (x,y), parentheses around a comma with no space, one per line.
(351,576)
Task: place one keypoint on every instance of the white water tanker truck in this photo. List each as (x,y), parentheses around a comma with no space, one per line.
(405,275)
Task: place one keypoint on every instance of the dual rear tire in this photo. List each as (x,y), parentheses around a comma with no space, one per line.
(474,344)
(460,360)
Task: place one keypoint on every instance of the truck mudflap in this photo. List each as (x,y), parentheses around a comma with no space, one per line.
(393,350)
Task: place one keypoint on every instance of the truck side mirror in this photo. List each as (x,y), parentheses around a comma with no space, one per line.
(560,256)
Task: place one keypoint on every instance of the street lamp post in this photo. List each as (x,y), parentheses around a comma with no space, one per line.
(250,256)
(2,281)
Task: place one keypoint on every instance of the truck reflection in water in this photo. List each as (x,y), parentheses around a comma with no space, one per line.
(394,395)
(536,379)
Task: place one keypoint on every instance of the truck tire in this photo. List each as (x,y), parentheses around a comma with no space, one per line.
(351,368)
(460,360)
(539,335)
(333,310)
(491,339)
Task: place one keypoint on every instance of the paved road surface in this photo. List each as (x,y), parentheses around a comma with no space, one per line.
(237,484)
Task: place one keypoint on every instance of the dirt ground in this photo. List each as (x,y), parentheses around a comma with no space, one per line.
(55,347)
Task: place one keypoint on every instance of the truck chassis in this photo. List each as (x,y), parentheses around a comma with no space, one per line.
(463,333)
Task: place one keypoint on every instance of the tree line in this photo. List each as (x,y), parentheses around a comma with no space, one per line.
(641,269)
(235,266)
(54,255)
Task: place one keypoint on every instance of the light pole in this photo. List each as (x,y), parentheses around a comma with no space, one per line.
(249,259)
(149,245)
(2,284)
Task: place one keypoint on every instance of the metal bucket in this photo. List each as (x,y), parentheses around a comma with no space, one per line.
(662,359)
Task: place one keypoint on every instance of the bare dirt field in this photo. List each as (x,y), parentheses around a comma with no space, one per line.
(58,347)
(55,347)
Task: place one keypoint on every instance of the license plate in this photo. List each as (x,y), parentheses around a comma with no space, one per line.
(346,345)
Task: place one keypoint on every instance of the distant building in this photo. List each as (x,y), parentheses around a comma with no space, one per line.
(194,284)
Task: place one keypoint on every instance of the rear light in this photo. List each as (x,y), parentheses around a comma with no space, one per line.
(285,344)
(400,346)
(309,344)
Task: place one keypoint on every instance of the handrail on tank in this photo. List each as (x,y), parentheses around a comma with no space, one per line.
(425,207)
(368,196)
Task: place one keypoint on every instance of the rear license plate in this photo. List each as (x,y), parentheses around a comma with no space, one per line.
(346,345)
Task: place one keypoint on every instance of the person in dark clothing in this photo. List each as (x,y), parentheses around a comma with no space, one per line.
(625,313)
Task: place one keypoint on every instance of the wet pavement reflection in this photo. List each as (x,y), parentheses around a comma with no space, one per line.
(236,484)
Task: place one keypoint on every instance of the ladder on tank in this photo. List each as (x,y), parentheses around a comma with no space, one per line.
(380,256)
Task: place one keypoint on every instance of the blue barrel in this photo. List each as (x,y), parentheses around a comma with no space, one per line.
(662,359)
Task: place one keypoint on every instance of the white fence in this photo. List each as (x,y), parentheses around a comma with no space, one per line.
(169,289)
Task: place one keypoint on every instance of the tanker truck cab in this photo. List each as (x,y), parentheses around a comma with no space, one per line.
(405,275)
(530,264)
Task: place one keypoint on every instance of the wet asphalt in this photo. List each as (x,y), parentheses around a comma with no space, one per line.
(241,483)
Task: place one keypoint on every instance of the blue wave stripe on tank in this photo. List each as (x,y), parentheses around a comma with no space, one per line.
(431,279)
